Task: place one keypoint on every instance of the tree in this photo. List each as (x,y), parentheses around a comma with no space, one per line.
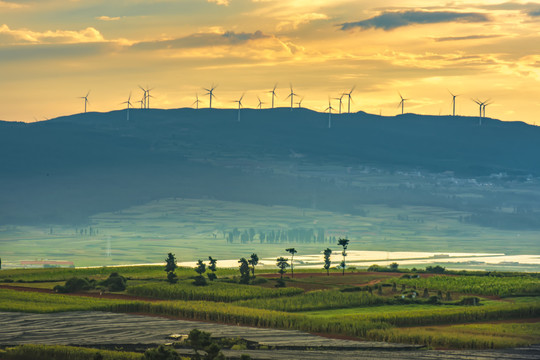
(244,271)
(201,341)
(292,251)
(212,267)
(253,261)
(200,269)
(162,352)
(437,269)
(344,243)
(327,261)
(115,282)
(282,264)
(393,266)
(170,267)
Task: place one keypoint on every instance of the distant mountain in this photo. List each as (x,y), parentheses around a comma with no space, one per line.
(65,169)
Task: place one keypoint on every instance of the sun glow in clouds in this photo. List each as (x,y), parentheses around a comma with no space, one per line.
(478,50)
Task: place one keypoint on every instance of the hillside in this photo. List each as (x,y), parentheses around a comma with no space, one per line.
(66,169)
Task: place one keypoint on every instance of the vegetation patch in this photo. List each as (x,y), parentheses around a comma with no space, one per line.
(214,291)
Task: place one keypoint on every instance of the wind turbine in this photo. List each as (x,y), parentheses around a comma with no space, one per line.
(402,103)
(300,102)
(329,109)
(486,103)
(291,95)
(340,101)
(481,105)
(453,103)
(239,101)
(273,92)
(85,99)
(260,102)
(196,102)
(211,93)
(148,96)
(128,102)
(350,98)
(143,105)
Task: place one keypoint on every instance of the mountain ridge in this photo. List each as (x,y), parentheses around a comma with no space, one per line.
(68,168)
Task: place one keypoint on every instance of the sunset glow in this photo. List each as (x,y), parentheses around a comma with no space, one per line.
(52,52)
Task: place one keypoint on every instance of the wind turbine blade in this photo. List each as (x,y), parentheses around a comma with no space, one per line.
(352,89)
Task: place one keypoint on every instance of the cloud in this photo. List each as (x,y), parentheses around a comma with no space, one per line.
(393,20)
(295,21)
(108,18)
(203,40)
(11,5)
(470,37)
(89,34)
(531,9)
(220,2)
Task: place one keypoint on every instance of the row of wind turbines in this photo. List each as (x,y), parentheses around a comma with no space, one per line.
(145,101)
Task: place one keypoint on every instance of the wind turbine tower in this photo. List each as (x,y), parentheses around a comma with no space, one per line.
(350,98)
(402,103)
(329,109)
(239,101)
(210,92)
(486,103)
(291,95)
(340,101)
(85,100)
(145,94)
(260,103)
(148,96)
(453,103)
(481,106)
(196,102)
(273,92)
(300,102)
(128,102)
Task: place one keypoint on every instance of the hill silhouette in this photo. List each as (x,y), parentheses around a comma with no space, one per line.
(66,169)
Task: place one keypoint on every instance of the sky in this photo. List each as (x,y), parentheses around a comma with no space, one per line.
(52,52)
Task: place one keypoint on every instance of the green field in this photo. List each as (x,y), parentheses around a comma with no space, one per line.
(196,229)
(347,306)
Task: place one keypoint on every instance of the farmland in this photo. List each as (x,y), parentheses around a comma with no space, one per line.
(357,305)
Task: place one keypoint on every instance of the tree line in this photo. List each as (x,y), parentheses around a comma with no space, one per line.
(276,236)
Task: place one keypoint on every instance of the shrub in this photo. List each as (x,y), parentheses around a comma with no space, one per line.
(75,284)
(162,352)
(199,281)
(115,282)
(470,300)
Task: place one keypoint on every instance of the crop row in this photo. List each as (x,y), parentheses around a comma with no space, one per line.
(355,325)
(436,339)
(12,300)
(133,272)
(316,300)
(214,291)
(480,285)
(59,352)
